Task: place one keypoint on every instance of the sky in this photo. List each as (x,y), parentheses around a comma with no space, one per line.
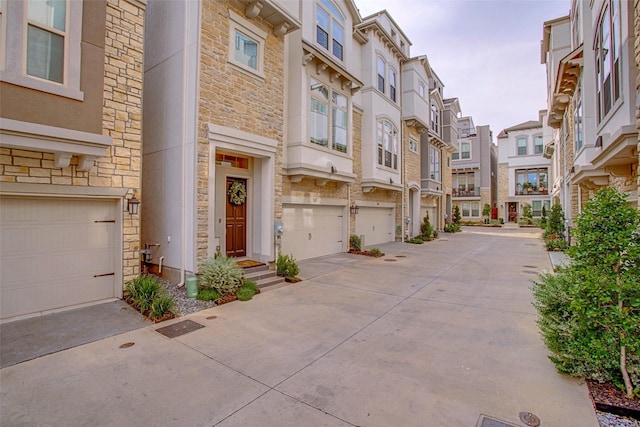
(486,52)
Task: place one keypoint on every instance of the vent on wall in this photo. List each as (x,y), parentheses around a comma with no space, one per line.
(598,141)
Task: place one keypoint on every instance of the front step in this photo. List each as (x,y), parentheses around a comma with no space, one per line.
(264,277)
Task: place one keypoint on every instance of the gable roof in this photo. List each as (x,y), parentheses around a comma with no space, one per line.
(531,124)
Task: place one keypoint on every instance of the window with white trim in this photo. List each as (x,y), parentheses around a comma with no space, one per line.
(330,28)
(465,150)
(387,138)
(536,207)
(607,56)
(522,146)
(577,118)
(434,163)
(246,45)
(392,85)
(41,45)
(435,118)
(329,131)
(381,69)
(471,209)
(538,147)
(421,89)
(413,145)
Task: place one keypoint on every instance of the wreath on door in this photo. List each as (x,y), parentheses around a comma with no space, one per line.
(237,193)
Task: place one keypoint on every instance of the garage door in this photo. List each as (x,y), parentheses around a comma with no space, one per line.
(311,230)
(376,224)
(55,253)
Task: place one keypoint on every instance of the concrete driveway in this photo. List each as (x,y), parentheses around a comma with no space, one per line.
(440,334)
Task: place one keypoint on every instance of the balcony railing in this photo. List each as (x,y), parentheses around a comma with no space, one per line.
(474,192)
(540,191)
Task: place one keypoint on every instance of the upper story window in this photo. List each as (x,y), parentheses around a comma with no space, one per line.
(538,147)
(381,70)
(607,55)
(522,146)
(246,51)
(577,119)
(41,45)
(387,137)
(392,85)
(246,45)
(532,181)
(330,28)
(421,89)
(413,145)
(465,150)
(328,130)
(434,163)
(435,118)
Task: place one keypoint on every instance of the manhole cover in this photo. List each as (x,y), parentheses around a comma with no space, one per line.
(529,419)
(179,328)
(390,260)
(485,421)
(530,266)
(212,317)
(401,256)
(127,345)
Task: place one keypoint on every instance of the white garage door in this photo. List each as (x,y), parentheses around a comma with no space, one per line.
(312,230)
(55,253)
(376,224)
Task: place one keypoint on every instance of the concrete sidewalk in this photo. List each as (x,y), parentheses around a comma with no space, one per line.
(429,335)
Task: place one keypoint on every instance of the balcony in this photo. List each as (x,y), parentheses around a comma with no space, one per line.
(472,192)
(532,192)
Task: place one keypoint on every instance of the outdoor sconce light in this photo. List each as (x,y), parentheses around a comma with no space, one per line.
(132,205)
(354,209)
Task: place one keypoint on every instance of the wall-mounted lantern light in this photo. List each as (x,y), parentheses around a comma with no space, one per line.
(354,209)
(132,205)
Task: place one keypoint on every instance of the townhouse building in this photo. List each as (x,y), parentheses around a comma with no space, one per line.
(474,170)
(214,124)
(592,100)
(523,171)
(70,152)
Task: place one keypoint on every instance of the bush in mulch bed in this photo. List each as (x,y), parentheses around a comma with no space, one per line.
(146,295)
(372,253)
(607,397)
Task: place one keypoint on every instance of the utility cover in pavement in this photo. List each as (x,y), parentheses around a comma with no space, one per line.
(485,421)
(179,328)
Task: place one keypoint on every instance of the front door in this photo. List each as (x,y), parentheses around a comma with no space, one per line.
(513,211)
(236,218)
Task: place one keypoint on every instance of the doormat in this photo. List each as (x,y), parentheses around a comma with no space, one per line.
(179,328)
(485,421)
(248,263)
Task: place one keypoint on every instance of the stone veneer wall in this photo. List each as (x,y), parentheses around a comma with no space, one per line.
(121,120)
(412,172)
(237,99)
(503,190)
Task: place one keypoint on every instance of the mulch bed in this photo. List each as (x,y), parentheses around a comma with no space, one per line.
(367,253)
(608,398)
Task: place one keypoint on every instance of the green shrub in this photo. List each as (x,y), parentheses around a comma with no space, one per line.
(589,312)
(245,294)
(355,243)
(286,266)
(142,290)
(555,244)
(426,229)
(160,306)
(375,252)
(452,228)
(555,223)
(456,215)
(416,239)
(222,274)
(250,284)
(208,295)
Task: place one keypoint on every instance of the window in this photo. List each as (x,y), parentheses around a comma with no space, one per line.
(323,100)
(41,45)
(387,144)
(465,183)
(522,146)
(465,150)
(421,89)
(392,85)
(607,57)
(471,209)
(381,73)
(455,155)
(435,118)
(536,207)
(246,45)
(246,51)
(577,119)
(538,147)
(475,209)
(330,28)
(434,163)
(413,145)
(466,208)
(532,181)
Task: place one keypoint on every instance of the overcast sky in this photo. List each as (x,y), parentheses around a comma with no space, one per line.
(486,52)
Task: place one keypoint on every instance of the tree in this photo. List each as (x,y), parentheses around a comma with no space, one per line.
(590,311)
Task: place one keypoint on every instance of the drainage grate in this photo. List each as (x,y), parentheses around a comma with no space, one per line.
(401,256)
(390,260)
(529,271)
(530,266)
(485,421)
(179,328)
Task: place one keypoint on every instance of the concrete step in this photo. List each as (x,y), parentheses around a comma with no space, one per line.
(263,277)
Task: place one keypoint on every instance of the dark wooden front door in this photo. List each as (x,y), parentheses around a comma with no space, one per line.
(513,212)
(236,232)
